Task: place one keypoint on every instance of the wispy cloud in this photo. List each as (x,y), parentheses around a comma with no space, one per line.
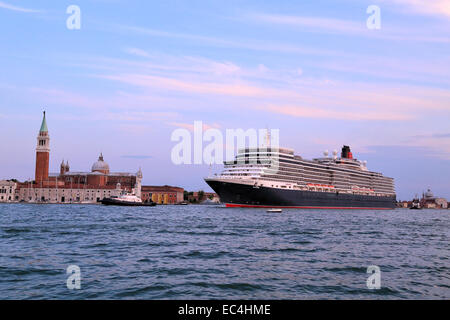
(321,113)
(221,42)
(61,96)
(412,69)
(442,135)
(165,86)
(137,52)
(434,135)
(190,126)
(350,28)
(16,8)
(200,69)
(191,83)
(236,88)
(438,142)
(315,24)
(136,157)
(140,116)
(169,34)
(433,7)
(119,106)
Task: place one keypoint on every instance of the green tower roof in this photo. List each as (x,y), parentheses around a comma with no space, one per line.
(44,125)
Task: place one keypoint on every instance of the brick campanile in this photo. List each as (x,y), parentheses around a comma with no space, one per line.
(42,153)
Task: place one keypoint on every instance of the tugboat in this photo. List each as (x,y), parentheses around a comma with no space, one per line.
(416,204)
(126,199)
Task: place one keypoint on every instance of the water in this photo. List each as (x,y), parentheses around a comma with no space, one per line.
(205,252)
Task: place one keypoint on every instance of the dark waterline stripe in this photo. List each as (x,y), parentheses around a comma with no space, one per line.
(233,205)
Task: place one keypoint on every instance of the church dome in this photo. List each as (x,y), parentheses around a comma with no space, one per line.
(429,194)
(100,165)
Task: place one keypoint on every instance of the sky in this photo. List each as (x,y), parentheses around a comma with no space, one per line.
(137,70)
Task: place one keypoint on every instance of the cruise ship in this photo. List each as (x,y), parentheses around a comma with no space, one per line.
(277,178)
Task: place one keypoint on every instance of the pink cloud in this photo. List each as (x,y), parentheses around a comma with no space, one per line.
(310,112)
(435,7)
(314,23)
(190,126)
(238,88)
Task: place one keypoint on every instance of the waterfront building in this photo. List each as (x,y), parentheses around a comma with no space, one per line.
(429,201)
(404,204)
(73,187)
(162,194)
(200,196)
(7,191)
(74,194)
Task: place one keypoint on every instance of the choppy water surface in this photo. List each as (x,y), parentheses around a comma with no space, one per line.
(204,252)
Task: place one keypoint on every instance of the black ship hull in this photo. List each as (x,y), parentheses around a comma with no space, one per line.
(243,195)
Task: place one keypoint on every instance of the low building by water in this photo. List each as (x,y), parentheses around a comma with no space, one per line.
(7,190)
(201,196)
(162,194)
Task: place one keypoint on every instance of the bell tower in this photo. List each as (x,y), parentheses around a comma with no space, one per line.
(42,153)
